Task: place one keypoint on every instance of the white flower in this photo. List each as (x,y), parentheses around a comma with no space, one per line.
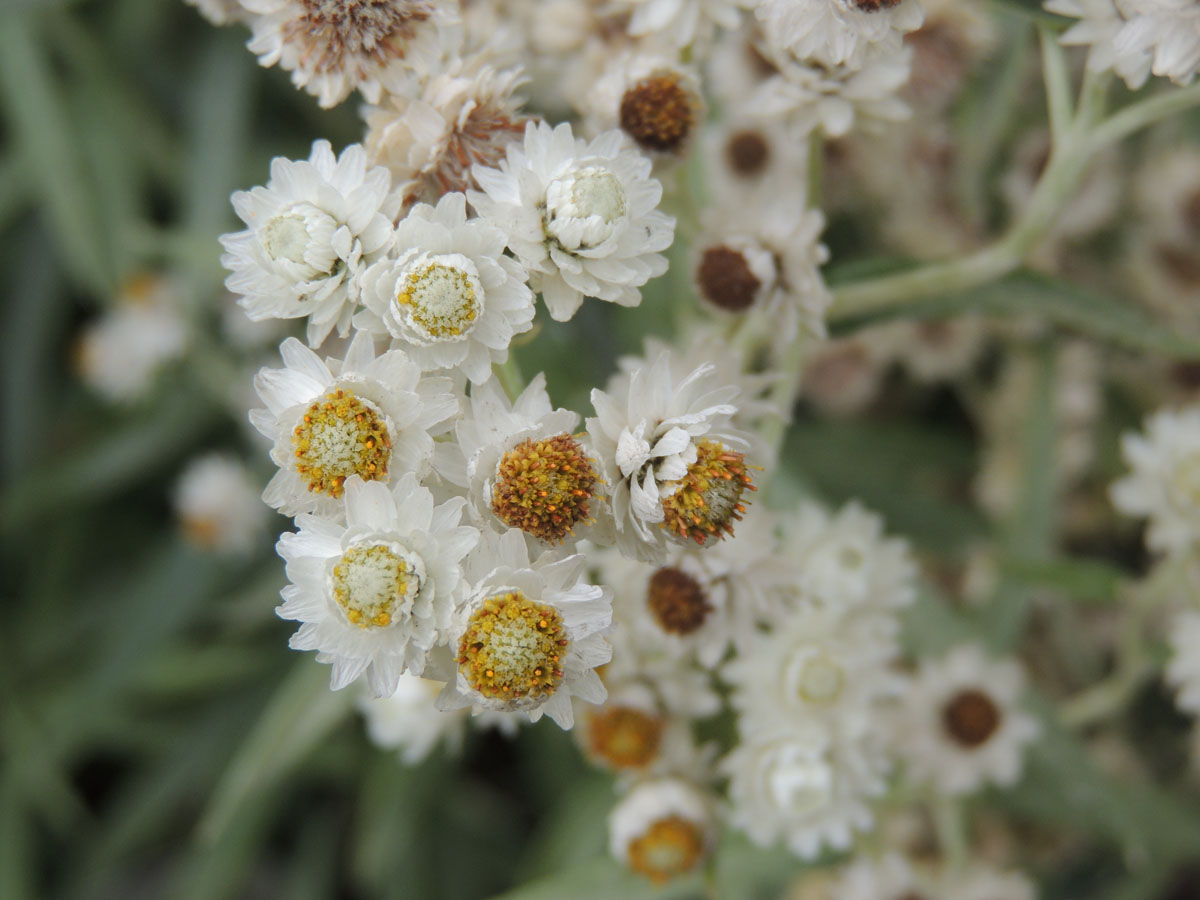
(797,787)
(525,467)
(838,32)
(683,22)
(466,115)
(332,47)
(979,881)
(409,721)
(844,560)
(752,160)
(581,216)
(530,635)
(218,503)
(819,666)
(1100,24)
(632,735)
(1169,30)
(700,600)
(652,98)
(666,449)
(960,725)
(374,417)
(121,352)
(1164,484)
(376,594)
(1183,671)
(764,261)
(807,96)
(450,297)
(662,828)
(220,12)
(312,231)
(891,877)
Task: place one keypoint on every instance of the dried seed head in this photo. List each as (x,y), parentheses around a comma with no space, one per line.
(708,499)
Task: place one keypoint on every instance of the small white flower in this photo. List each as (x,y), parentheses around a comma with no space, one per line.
(1169,30)
(376,594)
(526,468)
(979,881)
(764,261)
(219,505)
(652,98)
(450,297)
(844,560)
(797,787)
(662,828)
(753,160)
(807,96)
(960,724)
(311,233)
(1183,671)
(581,216)
(819,666)
(220,12)
(529,636)
(632,735)
(667,451)
(683,22)
(409,721)
(120,353)
(332,47)
(374,417)
(890,877)
(838,32)
(1101,22)
(464,116)
(1164,484)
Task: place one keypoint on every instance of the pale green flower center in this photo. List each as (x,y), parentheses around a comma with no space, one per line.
(375,585)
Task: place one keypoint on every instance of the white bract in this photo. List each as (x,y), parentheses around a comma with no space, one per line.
(311,233)
(449,297)
(838,32)
(581,216)
(376,594)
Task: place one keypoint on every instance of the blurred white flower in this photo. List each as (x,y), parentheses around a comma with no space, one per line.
(662,828)
(1183,671)
(217,501)
(834,33)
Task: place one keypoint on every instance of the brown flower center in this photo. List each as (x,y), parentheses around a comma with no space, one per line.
(543,487)
(669,847)
(677,601)
(624,737)
(725,279)
(873,5)
(970,718)
(658,113)
(748,152)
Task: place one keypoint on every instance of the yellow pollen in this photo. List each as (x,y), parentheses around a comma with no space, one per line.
(441,300)
(337,437)
(543,487)
(624,737)
(512,649)
(373,585)
(708,499)
(669,847)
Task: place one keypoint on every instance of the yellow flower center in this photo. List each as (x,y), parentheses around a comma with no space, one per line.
(669,847)
(374,585)
(821,681)
(543,487)
(442,301)
(708,499)
(340,435)
(624,737)
(513,648)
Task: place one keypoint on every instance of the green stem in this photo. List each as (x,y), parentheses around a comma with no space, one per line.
(1145,112)
(1058,83)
